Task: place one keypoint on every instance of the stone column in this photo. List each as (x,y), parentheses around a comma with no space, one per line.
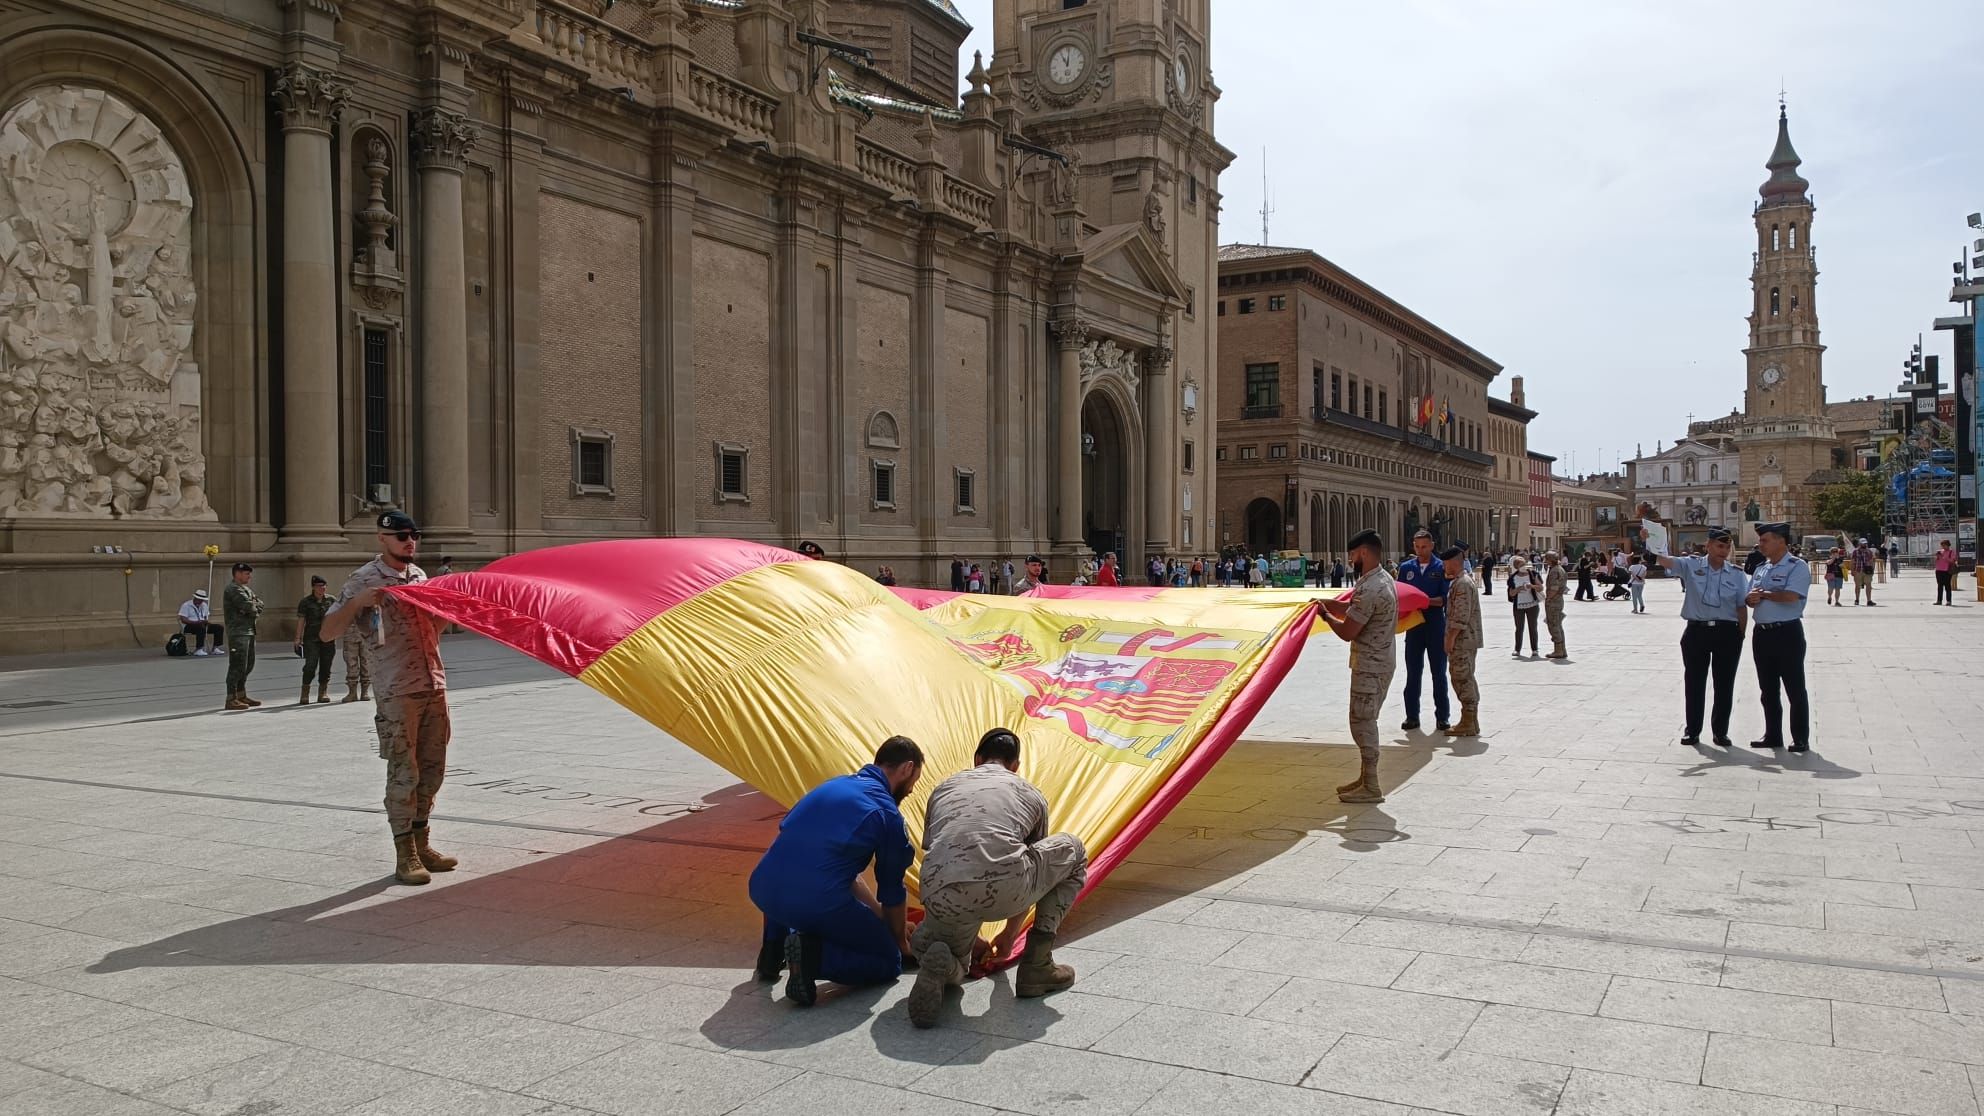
(309,101)
(1070,334)
(1160,459)
(442,140)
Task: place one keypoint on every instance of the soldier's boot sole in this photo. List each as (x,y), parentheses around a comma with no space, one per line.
(430,858)
(408,869)
(935,966)
(1366,793)
(1351,785)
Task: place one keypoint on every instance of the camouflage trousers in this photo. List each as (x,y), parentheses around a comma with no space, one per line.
(357,657)
(1460,666)
(955,913)
(240,662)
(1553,620)
(1367,700)
(413,740)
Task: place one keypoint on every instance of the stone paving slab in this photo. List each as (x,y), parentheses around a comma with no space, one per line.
(1572,914)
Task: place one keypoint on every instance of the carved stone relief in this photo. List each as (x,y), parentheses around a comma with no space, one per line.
(99,395)
(1105,357)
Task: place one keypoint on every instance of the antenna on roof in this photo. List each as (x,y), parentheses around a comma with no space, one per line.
(1266,209)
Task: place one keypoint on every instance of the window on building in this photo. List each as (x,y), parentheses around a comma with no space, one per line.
(1263,385)
(1192,191)
(733,473)
(1367,400)
(967,486)
(1188,532)
(1317,399)
(1384,408)
(1250,453)
(1277,302)
(1774,239)
(882,483)
(1773,302)
(1219,453)
(1190,457)
(1794,300)
(1246,306)
(1221,312)
(1794,238)
(1336,390)
(1278,451)
(378,396)
(1191,302)
(592,462)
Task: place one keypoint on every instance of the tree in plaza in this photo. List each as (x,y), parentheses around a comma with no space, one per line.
(1852,505)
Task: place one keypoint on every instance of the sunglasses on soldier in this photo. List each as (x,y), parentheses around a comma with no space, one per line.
(403,536)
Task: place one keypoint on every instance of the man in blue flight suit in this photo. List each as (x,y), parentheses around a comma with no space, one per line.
(1777,605)
(1712,592)
(821,921)
(1426,644)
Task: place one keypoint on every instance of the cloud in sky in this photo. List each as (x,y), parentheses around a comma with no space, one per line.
(1567,186)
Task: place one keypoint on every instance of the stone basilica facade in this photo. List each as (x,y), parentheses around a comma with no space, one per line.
(542,271)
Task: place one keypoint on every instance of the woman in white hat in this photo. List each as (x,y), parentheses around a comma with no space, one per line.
(196,620)
(1525,593)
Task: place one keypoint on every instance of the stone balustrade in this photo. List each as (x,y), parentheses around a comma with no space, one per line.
(612,56)
(967,202)
(886,169)
(738,105)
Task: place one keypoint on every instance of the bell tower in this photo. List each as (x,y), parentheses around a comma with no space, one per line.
(1785,379)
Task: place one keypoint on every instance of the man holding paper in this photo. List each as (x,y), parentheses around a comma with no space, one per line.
(1713,590)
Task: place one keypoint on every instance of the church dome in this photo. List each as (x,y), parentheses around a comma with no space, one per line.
(1784,184)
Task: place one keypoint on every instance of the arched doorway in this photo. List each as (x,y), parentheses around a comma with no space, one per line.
(1263,526)
(1106,471)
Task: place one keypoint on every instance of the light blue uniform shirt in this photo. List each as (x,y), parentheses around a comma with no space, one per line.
(1709,593)
(1789,574)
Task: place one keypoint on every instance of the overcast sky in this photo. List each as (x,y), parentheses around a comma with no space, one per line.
(1567,186)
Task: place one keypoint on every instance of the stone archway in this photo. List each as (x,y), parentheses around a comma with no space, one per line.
(1108,466)
(1263,526)
(1319,541)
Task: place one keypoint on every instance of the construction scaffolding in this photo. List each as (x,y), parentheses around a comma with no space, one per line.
(1919,486)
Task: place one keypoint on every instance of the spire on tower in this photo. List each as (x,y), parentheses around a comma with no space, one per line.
(1784,184)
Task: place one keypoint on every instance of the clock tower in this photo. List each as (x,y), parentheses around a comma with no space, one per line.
(1784,351)
(1784,437)
(1122,88)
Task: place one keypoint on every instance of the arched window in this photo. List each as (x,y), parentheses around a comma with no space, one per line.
(1776,241)
(1773,302)
(1794,238)
(1794,300)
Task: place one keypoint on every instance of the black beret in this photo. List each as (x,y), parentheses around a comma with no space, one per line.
(1781,530)
(1452,552)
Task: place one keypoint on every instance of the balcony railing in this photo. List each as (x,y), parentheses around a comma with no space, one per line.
(1354,422)
(1261,411)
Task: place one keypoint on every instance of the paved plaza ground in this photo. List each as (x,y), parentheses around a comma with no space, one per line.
(1573,914)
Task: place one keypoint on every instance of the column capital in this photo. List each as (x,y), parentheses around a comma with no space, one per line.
(1070,332)
(1160,358)
(442,139)
(309,99)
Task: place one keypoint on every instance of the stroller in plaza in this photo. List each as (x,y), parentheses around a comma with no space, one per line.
(1619,579)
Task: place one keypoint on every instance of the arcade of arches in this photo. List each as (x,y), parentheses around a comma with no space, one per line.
(1329,519)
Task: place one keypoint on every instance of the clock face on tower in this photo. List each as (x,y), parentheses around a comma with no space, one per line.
(1066,64)
(1771,376)
(1181,75)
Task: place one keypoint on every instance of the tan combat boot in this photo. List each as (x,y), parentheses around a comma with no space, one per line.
(1366,793)
(365,691)
(408,869)
(1038,975)
(937,967)
(350,694)
(234,702)
(305,698)
(1468,726)
(323,693)
(248,701)
(430,859)
(1557,652)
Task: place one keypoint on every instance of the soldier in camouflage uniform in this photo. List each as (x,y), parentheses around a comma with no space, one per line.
(1463,639)
(987,857)
(357,647)
(412,716)
(317,654)
(1368,621)
(1553,604)
(242,608)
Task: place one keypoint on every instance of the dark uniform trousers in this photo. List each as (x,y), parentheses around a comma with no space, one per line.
(1426,644)
(1779,651)
(1710,648)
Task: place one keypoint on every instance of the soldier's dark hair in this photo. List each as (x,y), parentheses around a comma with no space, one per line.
(1451,553)
(1001,745)
(1367,538)
(898,749)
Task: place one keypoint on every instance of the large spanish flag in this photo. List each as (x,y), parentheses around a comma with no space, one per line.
(788,671)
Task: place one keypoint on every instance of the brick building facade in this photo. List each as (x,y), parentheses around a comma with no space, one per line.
(541,271)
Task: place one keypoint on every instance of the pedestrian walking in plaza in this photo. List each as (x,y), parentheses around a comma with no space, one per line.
(1585,590)
(1488,573)
(1946,574)
(241,608)
(1835,575)
(822,922)
(988,857)
(1525,595)
(309,643)
(1863,571)
(1337,573)
(1426,643)
(1553,602)
(1636,583)
(196,620)
(1777,597)
(957,575)
(1463,640)
(412,713)
(1713,589)
(1894,559)
(1368,621)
